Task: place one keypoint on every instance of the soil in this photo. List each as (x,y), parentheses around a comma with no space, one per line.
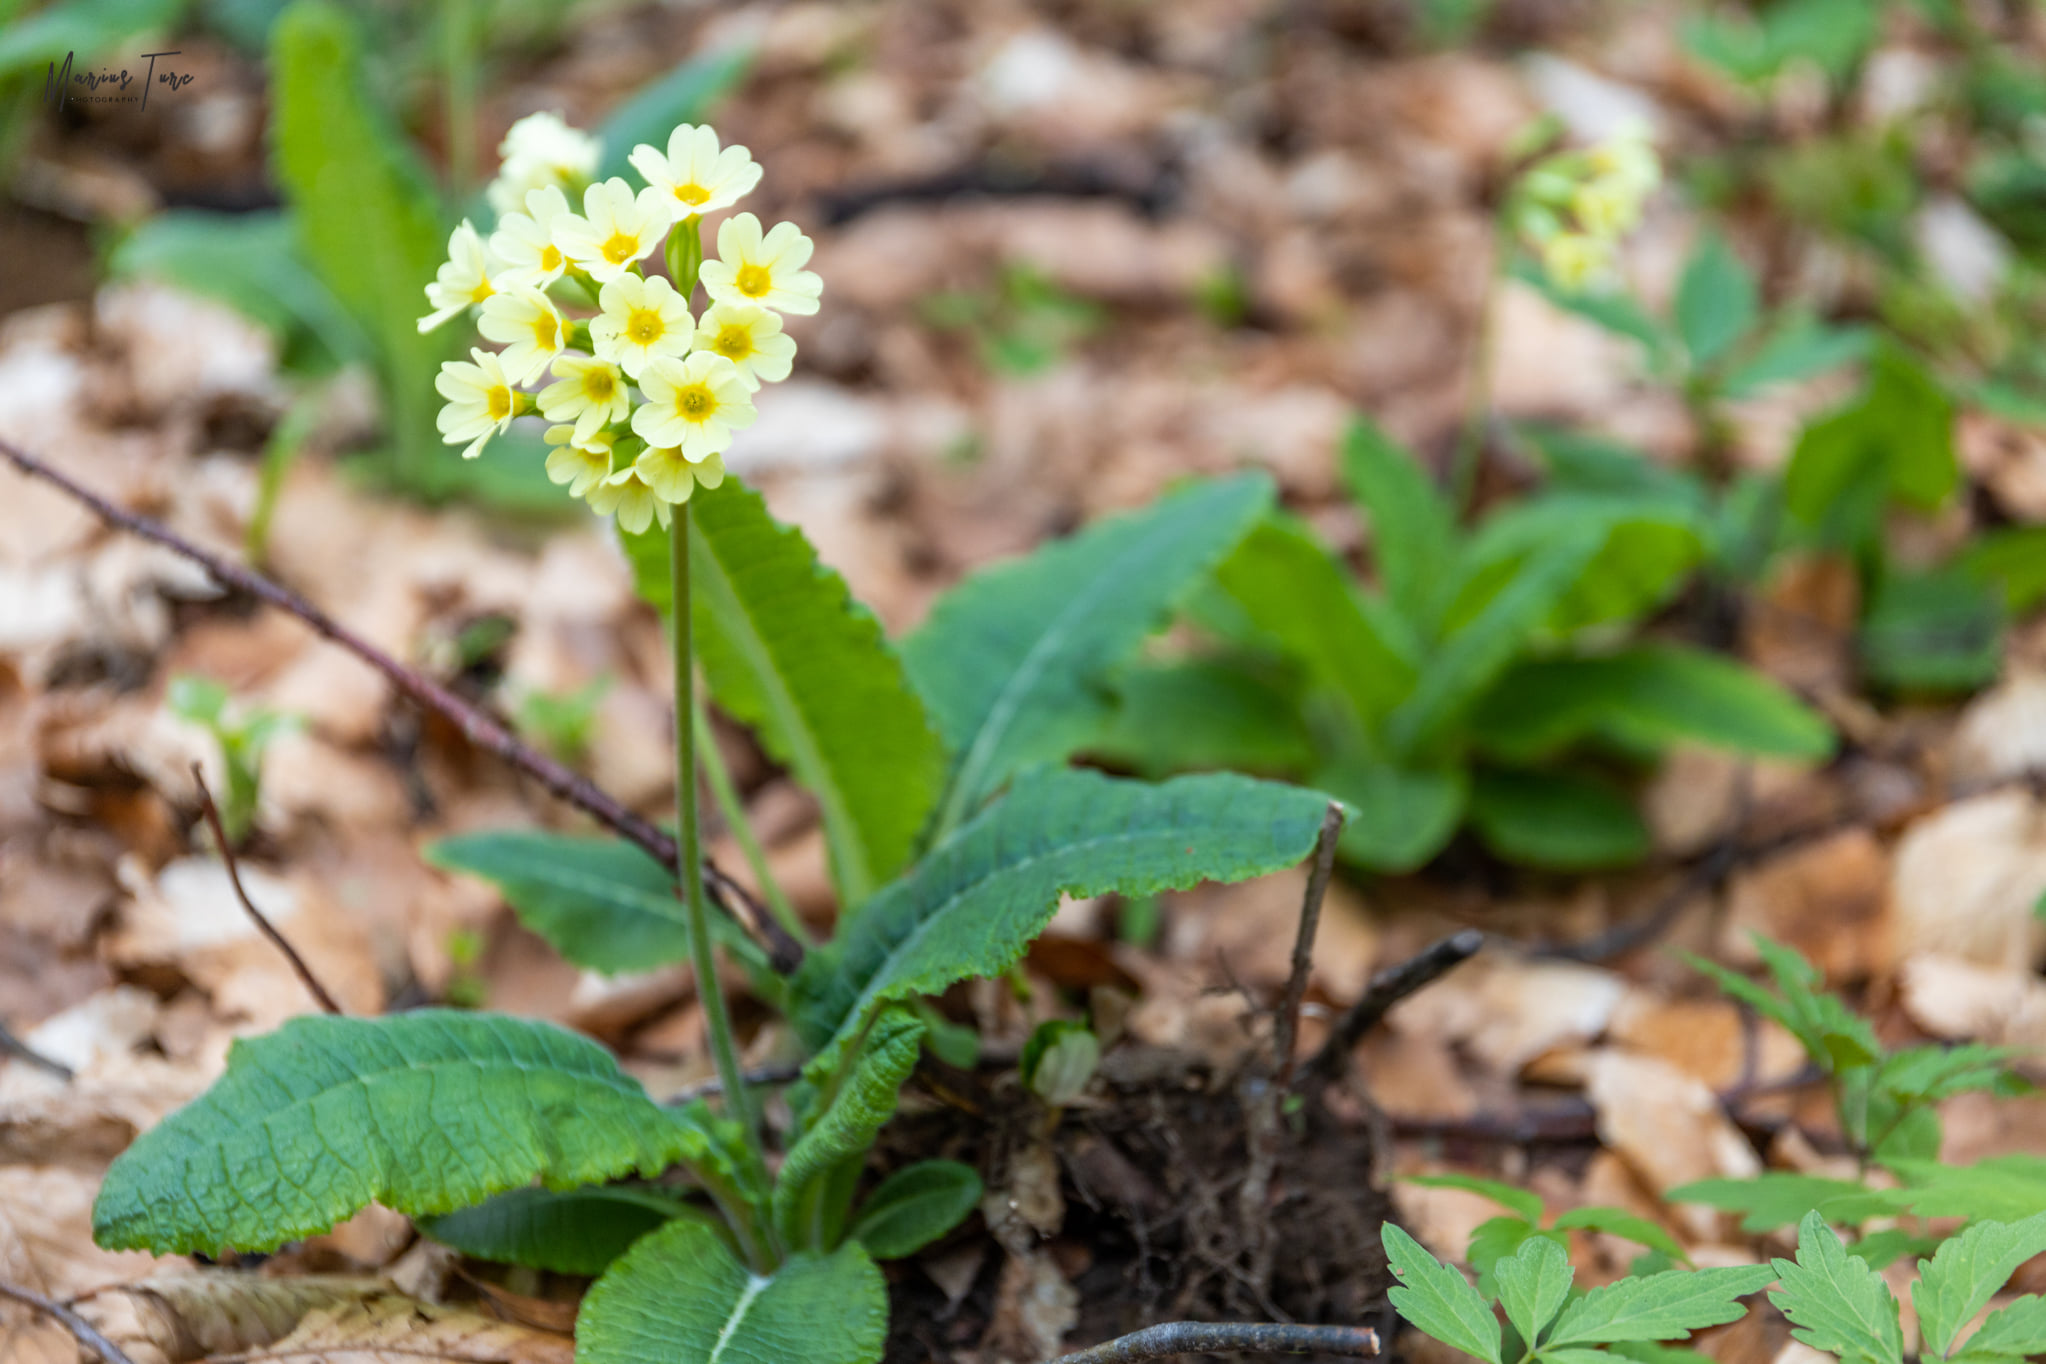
(1150,1172)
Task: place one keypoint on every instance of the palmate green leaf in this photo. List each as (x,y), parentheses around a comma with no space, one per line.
(1615,1222)
(1493,1240)
(683,95)
(1649,696)
(865,1098)
(1966,1271)
(790,652)
(576,1231)
(1399,817)
(1835,1302)
(1012,662)
(682,1294)
(2007,1188)
(915,1206)
(1666,1306)
(2017,1330)
(1556,819)
(423,1112)
(1716,302)
(1533,1282)
(1832,1034)
(1929,1074)
(974,903)
(1202,714)
(1436,1299)
(1296,595)
(1525,1202)
(1413,533)
(1778,1198)
(365,210)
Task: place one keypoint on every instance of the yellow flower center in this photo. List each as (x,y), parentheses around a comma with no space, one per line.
(598,386)
(550,257)
(498,402)
(692,195)
(546,331)
(696,402)
(643,326)
(734,342)
(481,291)
(753,280)
(620,247)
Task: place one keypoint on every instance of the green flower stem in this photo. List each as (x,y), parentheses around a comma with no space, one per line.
(727,797)
(690,847)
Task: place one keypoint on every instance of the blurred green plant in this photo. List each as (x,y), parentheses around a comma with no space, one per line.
(1021,325)
(561,722)
(242,734)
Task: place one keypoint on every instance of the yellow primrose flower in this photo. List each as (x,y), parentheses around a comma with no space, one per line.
(541,150)
(580,464)
(463,279)
(1627,158)
(628,495)
(481,401)
(693,404)
(765,270)
(751,338)
(1574,259)
(695,174)
(590,393)
(524,244)
(673,477)
(614,230)
(641,319)
(528,326)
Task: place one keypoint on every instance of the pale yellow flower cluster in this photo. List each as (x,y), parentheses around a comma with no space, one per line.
(645,393)
(1574,207)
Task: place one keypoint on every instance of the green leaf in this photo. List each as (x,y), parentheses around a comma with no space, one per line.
(1525,1202)
(1773,1199)
(1533,1284)
(1929,1074)
(88,28)
(1413,532)
(1013,661)
(974,903)
(600,902)
(2017,1330)
(1556,819)
(1297,596)
(1797,349)
(1650,697)
(1493,1240)
(1200,715)
(1896,439)
(864,1099)
(1937,631)
(1582,463)
(682,1294)
(790,652)
(366,213)
(1399,819)
(1666,1306)
(1716,302)
(1832,1034)
(423,1112)
(1958,1281)
(1835,1302)
(1617,312)
(683,95)
(1615,1222)
(579,1231)
(1436,1299)
(2007,1188)
(915,1206)
(2013,560)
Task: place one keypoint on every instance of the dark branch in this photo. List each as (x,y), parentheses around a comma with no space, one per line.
(1226,1337)
(764,1075)
(1286,1029)
(476,725)
(81,1329)
(263,925)
(10,1045)
(1386,989)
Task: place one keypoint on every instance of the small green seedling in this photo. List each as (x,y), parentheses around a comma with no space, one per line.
(242,733)
(1498,1237)
(1059,1060)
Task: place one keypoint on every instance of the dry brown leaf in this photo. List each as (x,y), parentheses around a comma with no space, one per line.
(1826,899)
(1668,1127)
(1509,1012)
(1961,1000)
(177,1318)
(389,1329)
(1966,878)
(1798,630)
(46,1247)
(2003,730)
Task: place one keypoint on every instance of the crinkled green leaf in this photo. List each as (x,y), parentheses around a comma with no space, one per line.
(1533,1282)
(1958,1281)
(1556,819)
(576,1231)
(1399,817)
(1666,1306)
(1199,715)
(1615,1222)
(1835,1302)
(1413,532)
(864,1099)
(423,1112)
(1013,661)
(789,651)
(1436,1299)
(915,1206)
(2017,1330)
(681,1294)
(974,903)
(1716,302)
(1523,1201)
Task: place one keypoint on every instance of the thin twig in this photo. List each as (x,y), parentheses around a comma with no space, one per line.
(476,725)
(263,925)
(1229,1337)
(11,1045)
(1286,1029)
(779,1074)
(1386,989)
(81,1330)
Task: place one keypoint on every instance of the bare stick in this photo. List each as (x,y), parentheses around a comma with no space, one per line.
(1229,1337)
(10,1045)
(784,952)
(1388,988)
(81,1329)
(1286,1029)
(263,925)
(761,1075)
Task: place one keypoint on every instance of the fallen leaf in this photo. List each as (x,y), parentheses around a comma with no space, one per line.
(1966,879)
(1668,1127)
(1826,899)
